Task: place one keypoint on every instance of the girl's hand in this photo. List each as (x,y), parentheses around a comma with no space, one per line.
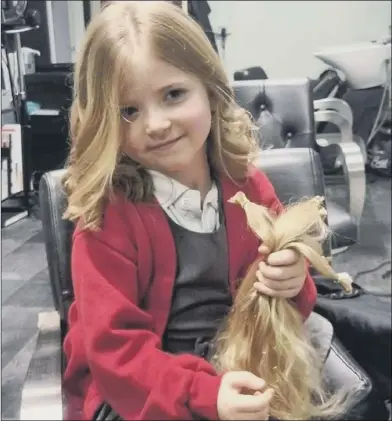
(242,396)
(282,274)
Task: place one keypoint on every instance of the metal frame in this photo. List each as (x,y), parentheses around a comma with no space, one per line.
(335,104)
(51,32)
(351,156)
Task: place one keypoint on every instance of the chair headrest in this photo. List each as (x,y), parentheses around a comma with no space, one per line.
(289,102)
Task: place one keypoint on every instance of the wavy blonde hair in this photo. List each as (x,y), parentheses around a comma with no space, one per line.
(265,335)
(103,71)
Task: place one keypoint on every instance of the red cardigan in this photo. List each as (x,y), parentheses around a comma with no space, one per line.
(123,280)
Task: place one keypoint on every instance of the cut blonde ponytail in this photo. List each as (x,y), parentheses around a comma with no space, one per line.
(265,335)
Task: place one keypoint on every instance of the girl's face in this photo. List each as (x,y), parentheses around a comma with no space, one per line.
(166,118)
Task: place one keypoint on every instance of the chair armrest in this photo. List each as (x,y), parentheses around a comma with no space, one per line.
(353,165)
(335,104)
(42,393)
(351,157)
(339,120)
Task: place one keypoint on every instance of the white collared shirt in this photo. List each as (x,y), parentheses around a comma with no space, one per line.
(183,205)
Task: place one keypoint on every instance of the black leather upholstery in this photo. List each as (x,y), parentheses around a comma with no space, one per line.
(289,102)
(328,81)
(343,226)
(283,111)
(295,175)
(342,372)
(250,73)
(58,237)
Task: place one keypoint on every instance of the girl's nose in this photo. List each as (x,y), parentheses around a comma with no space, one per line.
(157,123)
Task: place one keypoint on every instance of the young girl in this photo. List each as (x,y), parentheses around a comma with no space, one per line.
(159,146)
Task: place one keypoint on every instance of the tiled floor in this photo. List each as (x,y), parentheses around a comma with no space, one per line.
(26,292)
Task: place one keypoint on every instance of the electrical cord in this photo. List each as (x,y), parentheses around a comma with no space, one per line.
(384,276)
(380,119)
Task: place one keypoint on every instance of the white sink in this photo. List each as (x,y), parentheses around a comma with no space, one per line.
(365,65)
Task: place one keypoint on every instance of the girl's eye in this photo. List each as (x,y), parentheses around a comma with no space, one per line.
(129,113)
(175,94)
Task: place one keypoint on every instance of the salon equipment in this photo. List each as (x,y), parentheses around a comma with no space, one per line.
(49,96)
(363,64)
(329,84)
(285,117)
(12,11)
(293,175)
(17,207)
(327,90)
(250,73)
(363,67)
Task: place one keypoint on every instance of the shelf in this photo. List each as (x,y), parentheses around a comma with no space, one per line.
(15,207)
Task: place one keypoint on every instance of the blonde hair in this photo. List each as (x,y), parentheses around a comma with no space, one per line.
(265,335)
(103,70)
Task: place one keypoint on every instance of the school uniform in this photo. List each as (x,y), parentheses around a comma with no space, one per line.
(151,288)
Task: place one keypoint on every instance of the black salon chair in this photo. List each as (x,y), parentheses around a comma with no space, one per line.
(250,73)
(328,84)
(284,115)
(294,176)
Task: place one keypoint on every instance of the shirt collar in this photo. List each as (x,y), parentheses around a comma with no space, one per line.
(168,191)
